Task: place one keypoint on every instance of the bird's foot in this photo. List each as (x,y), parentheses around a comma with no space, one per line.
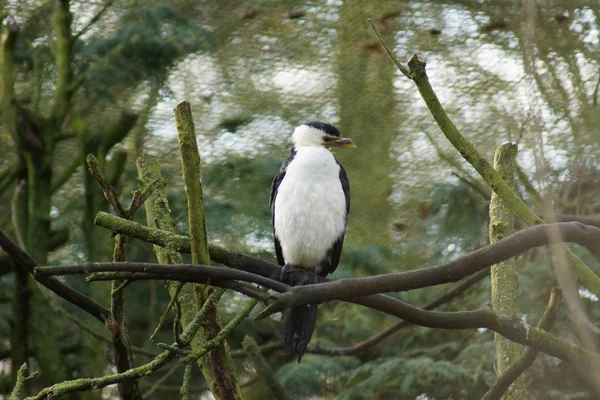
(296,276)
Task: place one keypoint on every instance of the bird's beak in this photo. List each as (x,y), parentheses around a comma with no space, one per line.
(342,142)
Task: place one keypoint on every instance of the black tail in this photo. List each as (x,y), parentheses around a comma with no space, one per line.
(302,320)
(299,329)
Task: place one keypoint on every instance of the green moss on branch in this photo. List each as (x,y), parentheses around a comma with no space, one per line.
(504,274)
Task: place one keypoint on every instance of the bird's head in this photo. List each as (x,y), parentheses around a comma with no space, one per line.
(319,134)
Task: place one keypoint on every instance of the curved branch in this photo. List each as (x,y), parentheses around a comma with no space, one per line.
(347,289)
(363,345)
(514,330)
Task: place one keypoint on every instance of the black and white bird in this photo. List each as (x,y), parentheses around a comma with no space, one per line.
(310,202)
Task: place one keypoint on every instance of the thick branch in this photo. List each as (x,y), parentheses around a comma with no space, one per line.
(217,369)
(190,163)
(366,344)
(169,240)
(514,330)
(345,289)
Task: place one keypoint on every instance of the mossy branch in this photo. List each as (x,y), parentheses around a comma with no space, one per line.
(158,215)
(416,71)
(220,337)
(18,392)
(514,371)
(504,274)
(190,164)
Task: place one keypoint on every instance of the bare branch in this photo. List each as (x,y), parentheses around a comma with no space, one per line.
(177,272)
(109,192)
(66,292)
(514,330)
(94,19)
(345,289)
(366,344)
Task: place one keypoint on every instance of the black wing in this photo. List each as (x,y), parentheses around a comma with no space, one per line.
(333,254)
(274,189)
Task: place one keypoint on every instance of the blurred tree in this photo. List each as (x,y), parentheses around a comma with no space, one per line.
(505,71)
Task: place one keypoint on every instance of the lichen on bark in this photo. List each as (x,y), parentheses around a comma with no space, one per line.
(504,274)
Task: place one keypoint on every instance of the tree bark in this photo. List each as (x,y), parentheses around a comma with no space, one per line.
(504,274)
(224,385)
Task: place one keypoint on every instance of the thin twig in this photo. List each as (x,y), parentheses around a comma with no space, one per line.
(214,342)
(184,393)
(94,19)
(162,318)
(389,51)
(161,380)
(109,192)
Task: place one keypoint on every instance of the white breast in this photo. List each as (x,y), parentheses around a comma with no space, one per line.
(310,208)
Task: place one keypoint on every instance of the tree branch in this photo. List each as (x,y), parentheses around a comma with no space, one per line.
(514,330)
(504,276)
(131,374)
(185,272)
(116,325)
(158,214)
(66,292)
(346,289)
(94,19)
(110,194)
(22,377)
(417,73)
(528,357)
(169,240)
(61,22)
(366,344)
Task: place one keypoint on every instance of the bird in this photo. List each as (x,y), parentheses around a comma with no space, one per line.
(310,203)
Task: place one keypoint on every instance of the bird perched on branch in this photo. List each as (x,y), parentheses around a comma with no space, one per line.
(310,201)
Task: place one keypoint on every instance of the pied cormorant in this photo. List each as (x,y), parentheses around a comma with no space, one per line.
(310,201)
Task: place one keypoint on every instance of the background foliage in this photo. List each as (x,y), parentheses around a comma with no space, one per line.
(506,71)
